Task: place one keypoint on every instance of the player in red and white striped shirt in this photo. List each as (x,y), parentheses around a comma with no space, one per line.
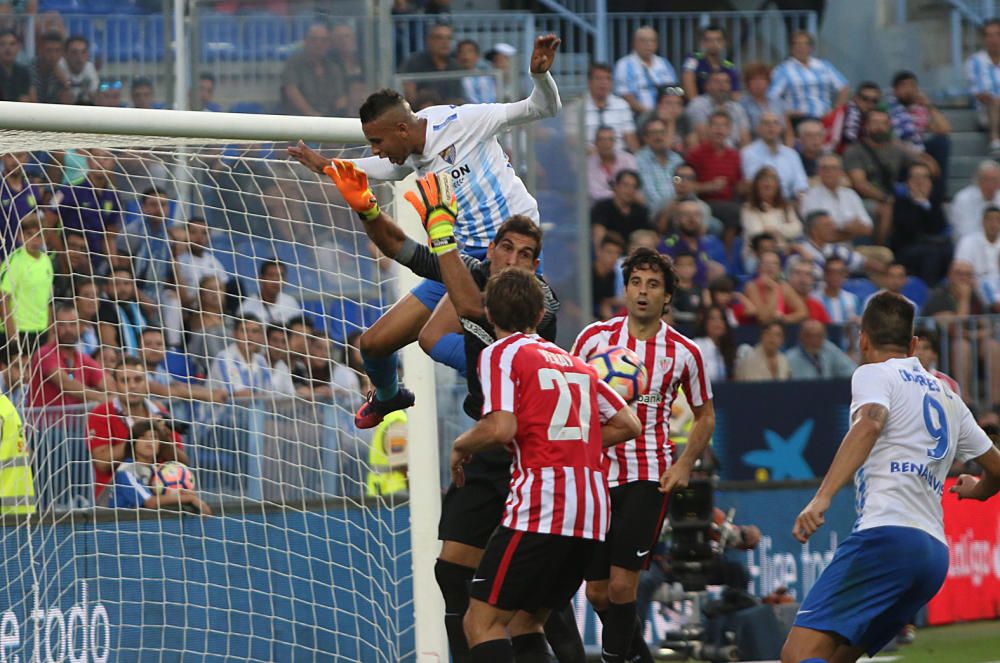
(557,416)
(641,473)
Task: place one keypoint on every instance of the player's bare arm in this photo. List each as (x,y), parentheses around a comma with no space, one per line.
(869,420)
(436,205)
(678,474)
(622,427)
(494,430)
(968,487)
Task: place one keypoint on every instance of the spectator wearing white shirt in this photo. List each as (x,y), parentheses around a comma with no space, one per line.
(279,361)
(241,369)
(475,89)
(981,249)
(842,306)
(639,74)
(982,70)
(807,85)
(843,203)
(198,262)
(768,150)
(717,97)
(968,205)
(270,305)
(602,108)
(605,163)
(79,70)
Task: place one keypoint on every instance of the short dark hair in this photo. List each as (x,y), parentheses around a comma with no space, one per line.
(872,112)
(597,66)
(379,103)
(273,262)
(64,307)
(932,337)
(52,36)
(521,225)
(767,326)
(141,428)
(988,23)
(141,81)
(627,172)
(812,216)
(514,300)
(713,27)
(276,329)
(10,33)
(81,282)
(915,165)
(644,258)
(868,85)
(801,33)
(248,318)
(722,284)
(720,113)
(207,76)
(467,42)
(79,38)
(902,77)
(990,209)
(150,330)
(604,127)
(888,321)
(153,192)
(833,259)
(297,320)
(896,263)
(128,360)
(612,237)
(759,239)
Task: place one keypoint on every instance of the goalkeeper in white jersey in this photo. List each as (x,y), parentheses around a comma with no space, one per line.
(461,141)
(907,428)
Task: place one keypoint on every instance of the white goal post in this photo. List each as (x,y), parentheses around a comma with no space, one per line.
(186,135)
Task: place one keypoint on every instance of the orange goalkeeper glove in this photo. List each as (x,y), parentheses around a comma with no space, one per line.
(352,182)
(438,209)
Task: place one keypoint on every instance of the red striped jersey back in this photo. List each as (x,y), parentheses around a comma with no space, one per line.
(557,484)
(672,361)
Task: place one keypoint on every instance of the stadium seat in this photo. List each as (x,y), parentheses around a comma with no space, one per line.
(220,39)
(250,107)
(734,261)
(861,287)
(916,290)
(123,39)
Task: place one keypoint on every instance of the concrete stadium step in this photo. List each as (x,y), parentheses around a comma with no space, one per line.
(962,119)
(964,167)
(969,143)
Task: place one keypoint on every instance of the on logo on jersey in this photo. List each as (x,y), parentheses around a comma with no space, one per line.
(458,173)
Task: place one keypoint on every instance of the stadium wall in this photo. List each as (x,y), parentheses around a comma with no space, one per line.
(277,585)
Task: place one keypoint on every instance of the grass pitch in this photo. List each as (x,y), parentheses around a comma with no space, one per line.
(977,642)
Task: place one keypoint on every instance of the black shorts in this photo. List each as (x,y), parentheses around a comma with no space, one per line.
(470,514)
(637,512)
(530,571)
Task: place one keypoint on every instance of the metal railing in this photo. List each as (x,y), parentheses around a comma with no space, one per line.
(288,451)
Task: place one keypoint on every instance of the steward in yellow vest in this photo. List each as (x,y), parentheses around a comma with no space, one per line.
(17,488)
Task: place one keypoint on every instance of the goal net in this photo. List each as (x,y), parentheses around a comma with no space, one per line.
(176,289)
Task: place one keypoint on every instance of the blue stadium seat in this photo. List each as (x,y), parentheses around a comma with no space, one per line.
(916,290)
(84,25)
(250,107)
(220,39)
(861,287)
(342,318)
(123,35)
(734,261)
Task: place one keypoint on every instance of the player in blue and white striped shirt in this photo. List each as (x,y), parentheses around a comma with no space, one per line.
(982,70)
(807,85)
(640,74)
(460,141)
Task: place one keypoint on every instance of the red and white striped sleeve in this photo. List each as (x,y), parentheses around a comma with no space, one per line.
(495,367)
(609,402)
(587,342)
(696,384)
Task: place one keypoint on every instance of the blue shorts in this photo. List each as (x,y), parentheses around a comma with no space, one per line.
(429,293)
(877,581)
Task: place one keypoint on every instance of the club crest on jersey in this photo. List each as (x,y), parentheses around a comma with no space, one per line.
(664,363)
(448,154)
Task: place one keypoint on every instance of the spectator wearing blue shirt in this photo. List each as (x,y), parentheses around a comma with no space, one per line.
(657,163)
(810,87)
(142,93)
(170,373)
(982,71)
(242,368)
(18,197)
(842,306)
(768,151)
(206,93)
(699,65)
(815,357)
(93,206)
(640,74)
(708,250)
(131,487)
(476,89)
(147,240)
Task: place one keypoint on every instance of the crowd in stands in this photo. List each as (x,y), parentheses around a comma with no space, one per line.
(786,196)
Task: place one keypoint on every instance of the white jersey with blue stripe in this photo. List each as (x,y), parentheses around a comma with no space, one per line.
(902,481)
(462,141)
(982,75)
(809,88)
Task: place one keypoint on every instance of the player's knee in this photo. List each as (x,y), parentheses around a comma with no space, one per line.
(453,581)
(597,594)
(371,346)
(474,627)
(622,589)
(428,338)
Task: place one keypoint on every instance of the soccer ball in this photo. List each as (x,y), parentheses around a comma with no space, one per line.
(172,476)
(622,370)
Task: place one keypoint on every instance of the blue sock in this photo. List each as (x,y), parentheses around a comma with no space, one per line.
(813,660)
(450,351)
(382,372)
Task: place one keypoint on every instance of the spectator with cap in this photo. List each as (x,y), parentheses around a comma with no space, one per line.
(51,83)
(968,205)
(717,97)
(15,78)
(811,136)
(639,74)
(981,249)
(807,85)
(843,203)
(604,164)
(844,124)
(61,375)
(768,150)
(657,162)
(500,58)
(26,287)
(816,357)
(982,71)
(841,306)
(18,198)
(480,89)
(765,362)
(755,102)
(311,84)
(271,305)
(919,236)
(206,93)
(602,108)
(79,70)
(768,211)
(435,59)
(719,172)
(701,64)
(623,212)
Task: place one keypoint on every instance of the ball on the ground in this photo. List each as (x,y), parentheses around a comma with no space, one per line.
(622,370)
(172,476)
